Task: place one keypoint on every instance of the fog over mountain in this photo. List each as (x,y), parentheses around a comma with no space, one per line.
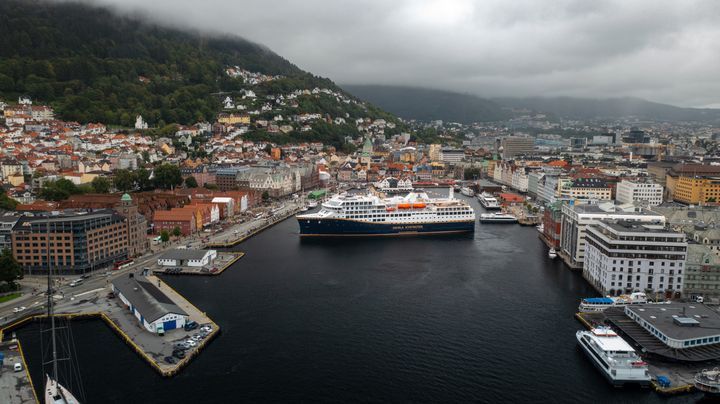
(664,51)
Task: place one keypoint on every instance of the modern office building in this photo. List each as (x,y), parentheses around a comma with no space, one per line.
(79,242)
(576,217)
(626,256)
(636,191)
(517,145)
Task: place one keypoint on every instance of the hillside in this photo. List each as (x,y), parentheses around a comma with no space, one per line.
(426,104)
(92,65)
(611,108)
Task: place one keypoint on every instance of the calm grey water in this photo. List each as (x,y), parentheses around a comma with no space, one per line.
(477,318)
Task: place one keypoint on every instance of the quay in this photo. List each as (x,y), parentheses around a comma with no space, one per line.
(681,375)
(222,262)
(16,387)
(151,347)
(246,235)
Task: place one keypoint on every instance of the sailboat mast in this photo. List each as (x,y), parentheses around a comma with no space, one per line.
(51,311)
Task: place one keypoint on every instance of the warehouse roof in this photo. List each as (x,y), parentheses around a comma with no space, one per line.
(146,298)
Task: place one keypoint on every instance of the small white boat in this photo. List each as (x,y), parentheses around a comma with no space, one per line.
(552,253)
(613,356)
(597,304)
(467,191)
(497,218)
(540,228)
(56,393)
(312,204)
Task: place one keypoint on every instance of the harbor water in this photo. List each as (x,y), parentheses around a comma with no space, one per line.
(484,317)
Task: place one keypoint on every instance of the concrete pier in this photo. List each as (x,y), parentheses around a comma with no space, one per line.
(16,387)
(151,347)
(223,262)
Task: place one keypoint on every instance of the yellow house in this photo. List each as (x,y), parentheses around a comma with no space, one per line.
(696,190)
(233,119)
(15,179)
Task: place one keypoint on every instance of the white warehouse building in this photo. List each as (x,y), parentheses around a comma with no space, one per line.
(152,308)
(187,258)
(626,256)
(634,191)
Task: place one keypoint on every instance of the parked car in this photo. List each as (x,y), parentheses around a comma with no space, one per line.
(170,360)
(191,343)
(191,325)
(179,353)
(197,337)
(206,328)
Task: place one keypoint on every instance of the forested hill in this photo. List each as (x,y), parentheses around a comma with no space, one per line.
(426,104)
(92,65)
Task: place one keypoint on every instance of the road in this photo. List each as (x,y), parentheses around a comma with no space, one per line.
(34,287)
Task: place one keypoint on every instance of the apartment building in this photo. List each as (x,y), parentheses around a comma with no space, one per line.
(636,191)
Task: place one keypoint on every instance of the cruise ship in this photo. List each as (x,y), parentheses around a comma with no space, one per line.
(370,215)
(614,357)
(597,304)
(488,201)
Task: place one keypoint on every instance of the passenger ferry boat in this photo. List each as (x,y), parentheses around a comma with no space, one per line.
(370,215)
(467,191)
(488,201)
(708,381)
(614,357)
(497,218)
(598,304)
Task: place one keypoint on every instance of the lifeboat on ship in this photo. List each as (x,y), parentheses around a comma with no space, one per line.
(404,206)
(418,205)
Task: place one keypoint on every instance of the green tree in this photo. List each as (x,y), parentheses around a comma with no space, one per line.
(59,190)
(167,176)
(142,177)
(124,180)
(176,232)
(101,185)
(191,182)
(164,236)
(10,269)
(265,196)
(7,202)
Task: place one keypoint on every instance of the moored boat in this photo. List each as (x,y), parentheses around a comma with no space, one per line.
(497,218)
(613,356)
(488,201)
(467,191)
(370,215)
(708,381)
(552,253)
(597,304)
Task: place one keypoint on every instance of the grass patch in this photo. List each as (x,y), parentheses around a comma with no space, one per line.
(9,297)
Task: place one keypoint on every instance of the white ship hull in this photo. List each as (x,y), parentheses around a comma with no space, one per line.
(616,375)
(55,393)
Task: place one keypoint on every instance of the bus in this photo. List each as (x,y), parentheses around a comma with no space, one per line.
(122,264)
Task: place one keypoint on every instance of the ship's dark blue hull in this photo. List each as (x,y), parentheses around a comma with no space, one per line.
(344,227)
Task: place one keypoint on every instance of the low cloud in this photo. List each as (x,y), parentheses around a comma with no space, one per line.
(665,51)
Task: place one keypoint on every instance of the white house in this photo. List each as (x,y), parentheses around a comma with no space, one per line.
(154,314)
(187,258)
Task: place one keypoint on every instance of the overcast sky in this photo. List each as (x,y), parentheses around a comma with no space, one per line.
(665,51)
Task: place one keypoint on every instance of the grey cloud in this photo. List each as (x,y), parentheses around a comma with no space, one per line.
(666,51)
